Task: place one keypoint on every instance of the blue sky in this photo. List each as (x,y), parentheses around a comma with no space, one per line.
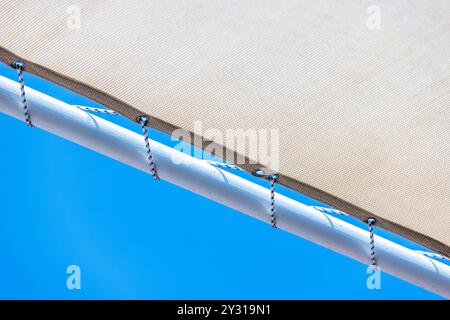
(134,238)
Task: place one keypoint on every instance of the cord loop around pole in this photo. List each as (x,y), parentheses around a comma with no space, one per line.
(20,66)
(223,165)
(272,177)
(98,110)
(273,219)
(373,261)
(143,120)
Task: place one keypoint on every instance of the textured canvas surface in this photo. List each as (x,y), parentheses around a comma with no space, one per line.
(360,94)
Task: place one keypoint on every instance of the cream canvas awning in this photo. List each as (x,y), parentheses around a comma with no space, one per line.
(360,92)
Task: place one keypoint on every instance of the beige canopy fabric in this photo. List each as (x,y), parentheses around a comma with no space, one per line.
(359,91)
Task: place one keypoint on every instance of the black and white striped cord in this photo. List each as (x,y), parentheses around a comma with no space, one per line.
(20,66)
(272,177)
(373,259)
(143,122)
(273,218)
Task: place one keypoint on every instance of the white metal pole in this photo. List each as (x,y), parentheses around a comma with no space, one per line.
(226,188)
